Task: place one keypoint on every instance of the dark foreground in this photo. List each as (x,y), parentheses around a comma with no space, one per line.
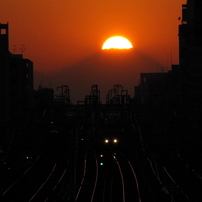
(152,154)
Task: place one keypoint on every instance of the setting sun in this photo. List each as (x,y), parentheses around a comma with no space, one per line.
(117,42)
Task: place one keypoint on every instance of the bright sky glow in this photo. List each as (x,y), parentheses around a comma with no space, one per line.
(117,42)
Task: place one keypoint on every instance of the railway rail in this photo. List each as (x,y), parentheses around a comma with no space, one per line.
(138,161)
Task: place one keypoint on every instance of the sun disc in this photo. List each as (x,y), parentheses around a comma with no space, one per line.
(117,42)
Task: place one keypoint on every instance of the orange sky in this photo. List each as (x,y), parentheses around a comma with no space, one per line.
(59,33)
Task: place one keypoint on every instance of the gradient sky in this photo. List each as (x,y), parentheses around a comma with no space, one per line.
(59,33)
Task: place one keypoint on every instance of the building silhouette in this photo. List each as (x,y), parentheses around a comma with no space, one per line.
(183,84)
(160,87)
(16,84)
(190,51)
(43,97)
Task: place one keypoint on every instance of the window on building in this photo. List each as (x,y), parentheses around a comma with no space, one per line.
(3,31)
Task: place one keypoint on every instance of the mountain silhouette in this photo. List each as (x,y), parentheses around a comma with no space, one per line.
(105,69)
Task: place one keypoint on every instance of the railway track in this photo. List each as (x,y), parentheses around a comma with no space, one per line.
(74,163)
(176,178)
(37,183)
(106,177)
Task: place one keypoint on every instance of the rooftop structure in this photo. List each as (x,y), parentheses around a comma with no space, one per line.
(16,86)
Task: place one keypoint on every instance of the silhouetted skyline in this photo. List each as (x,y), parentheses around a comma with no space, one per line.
(61,33)
(145,147)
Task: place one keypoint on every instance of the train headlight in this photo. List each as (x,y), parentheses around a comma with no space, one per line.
(106,141)
(115,140)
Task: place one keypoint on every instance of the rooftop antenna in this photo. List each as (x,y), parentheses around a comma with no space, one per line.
(171,57)
(22,49)
(167,65)
(41,82)
(14,49)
